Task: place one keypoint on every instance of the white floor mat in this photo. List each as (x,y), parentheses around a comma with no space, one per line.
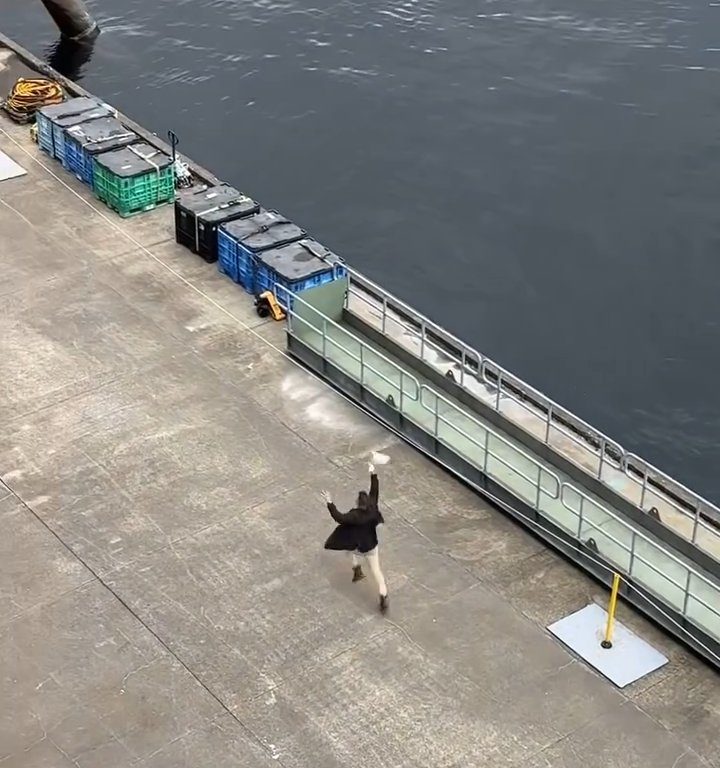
(9,169)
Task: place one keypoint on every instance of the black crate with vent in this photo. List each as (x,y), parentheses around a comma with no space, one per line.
(200,211)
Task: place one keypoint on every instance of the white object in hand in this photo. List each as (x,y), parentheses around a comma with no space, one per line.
(371,468)
(379,458)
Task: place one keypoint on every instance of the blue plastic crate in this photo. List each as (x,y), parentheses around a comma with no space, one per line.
(296,267)
(52,122)
(227,255)
(45,134)
(229,263)
(240,242)
(90,139)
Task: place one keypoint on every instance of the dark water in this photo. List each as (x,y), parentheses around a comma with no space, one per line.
(540,176)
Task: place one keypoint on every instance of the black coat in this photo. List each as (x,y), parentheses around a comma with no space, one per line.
(357,528)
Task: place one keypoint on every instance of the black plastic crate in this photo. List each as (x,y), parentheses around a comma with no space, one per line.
(201,210)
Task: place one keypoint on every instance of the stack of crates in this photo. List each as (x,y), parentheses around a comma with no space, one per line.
(133,179)
(199,212)
(86,140)
(240,242)
(296,267)
(52,122)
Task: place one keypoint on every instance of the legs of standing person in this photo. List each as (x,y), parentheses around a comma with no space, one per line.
(373,561)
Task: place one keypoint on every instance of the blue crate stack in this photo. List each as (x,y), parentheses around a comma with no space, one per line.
(296,267)
(240,242)
(53,120)
(86,140)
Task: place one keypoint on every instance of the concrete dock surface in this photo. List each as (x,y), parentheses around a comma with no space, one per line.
(164,596)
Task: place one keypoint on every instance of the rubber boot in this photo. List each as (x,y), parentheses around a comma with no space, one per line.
(383,604)
(358,574)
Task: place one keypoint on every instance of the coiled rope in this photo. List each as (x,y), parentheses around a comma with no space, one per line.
(29,95)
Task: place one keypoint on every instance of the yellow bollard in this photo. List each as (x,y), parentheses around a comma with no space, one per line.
(612,605)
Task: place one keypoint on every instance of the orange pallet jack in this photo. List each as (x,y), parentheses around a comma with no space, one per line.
(266,305)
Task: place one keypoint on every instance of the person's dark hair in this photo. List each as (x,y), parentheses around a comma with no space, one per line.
(362,500)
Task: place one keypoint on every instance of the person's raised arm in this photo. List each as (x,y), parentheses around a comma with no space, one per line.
(374,485)
(348,518)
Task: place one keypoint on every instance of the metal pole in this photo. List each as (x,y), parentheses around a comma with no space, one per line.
(72,18)
(174,141)
(607,642)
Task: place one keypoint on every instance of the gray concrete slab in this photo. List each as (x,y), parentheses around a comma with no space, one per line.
(82,339)
(217,598)
(305,405)
(81,671)
(75,222)
(165,599)
(372,708)
(220,744)
(36,566)
(626,737)
(136,277)
(692,711)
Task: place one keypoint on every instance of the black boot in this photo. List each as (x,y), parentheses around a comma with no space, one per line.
(358,575)
(383,604)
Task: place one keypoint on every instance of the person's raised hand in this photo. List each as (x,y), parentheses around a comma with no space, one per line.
(326,497)
(371,468)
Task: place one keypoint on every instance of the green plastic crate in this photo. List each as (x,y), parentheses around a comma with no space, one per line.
(133,179)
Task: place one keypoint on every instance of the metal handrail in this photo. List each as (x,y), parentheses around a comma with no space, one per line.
(561,486)
(556,416)
(419,389)
(358,359)
(328,321)
(634,533)
(584,496)
(489,431)
(499,378)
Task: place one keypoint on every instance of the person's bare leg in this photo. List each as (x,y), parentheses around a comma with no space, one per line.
(373,561)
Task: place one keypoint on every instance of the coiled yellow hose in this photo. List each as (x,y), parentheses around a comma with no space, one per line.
(29,95)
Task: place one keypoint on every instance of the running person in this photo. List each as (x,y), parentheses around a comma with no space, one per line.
(357,533)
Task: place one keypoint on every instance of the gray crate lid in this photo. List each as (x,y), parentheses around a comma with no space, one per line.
(264,230)
(300,260)
(218,203)
(134,161)
(92,114)
(67,108)
(101,135)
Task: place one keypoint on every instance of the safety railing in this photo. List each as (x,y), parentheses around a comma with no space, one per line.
(361,359)
(634,561)
(473,368)
(630,551)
